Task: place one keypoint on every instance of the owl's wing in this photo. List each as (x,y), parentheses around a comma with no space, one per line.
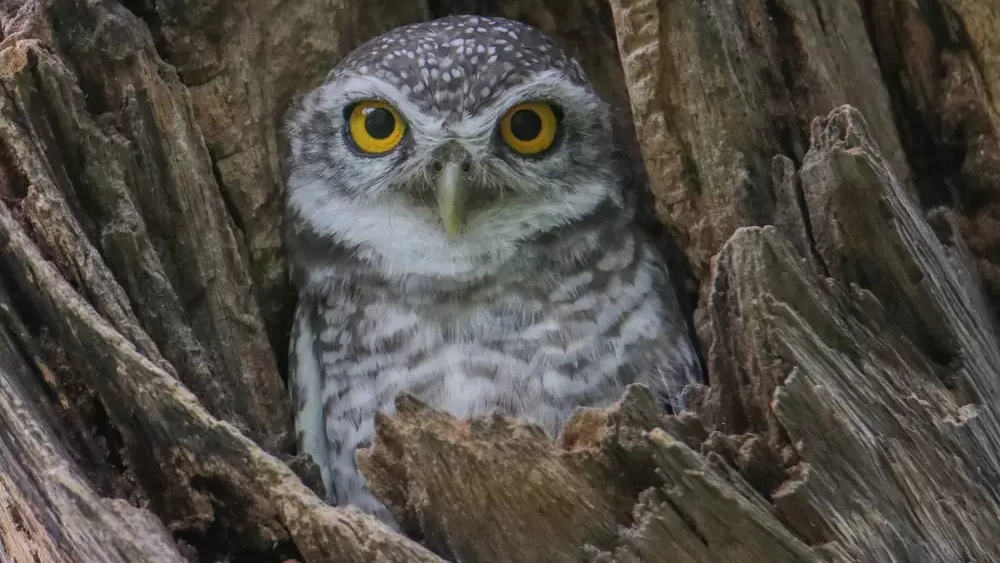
(673,364)
(306,381)
(329,429)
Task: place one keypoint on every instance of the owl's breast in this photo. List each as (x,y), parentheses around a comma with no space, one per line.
(533,347)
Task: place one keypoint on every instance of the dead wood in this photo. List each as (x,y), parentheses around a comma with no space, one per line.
(843,267)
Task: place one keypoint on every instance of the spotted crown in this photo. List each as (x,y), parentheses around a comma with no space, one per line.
(459,63)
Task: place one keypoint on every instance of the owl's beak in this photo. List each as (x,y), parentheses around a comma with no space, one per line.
(451,193)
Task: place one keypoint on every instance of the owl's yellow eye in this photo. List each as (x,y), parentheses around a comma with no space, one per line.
(375,127)
(530,127)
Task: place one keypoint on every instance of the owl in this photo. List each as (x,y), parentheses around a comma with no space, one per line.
(459,228)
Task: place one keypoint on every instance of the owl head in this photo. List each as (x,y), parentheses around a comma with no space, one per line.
(442,148)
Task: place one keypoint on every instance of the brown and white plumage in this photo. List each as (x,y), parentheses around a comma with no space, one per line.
(530,294)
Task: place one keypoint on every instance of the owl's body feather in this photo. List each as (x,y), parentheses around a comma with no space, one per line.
(549,299)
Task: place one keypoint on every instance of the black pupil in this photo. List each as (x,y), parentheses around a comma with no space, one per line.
(379,123)
(526,125)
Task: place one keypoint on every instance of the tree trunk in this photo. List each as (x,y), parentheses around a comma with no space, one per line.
(831,171)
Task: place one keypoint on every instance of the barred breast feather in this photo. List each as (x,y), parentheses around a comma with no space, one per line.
(570,321)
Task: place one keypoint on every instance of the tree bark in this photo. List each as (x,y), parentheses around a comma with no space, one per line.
(830,170)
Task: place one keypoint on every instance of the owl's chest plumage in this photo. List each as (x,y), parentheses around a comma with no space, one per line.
(534,341)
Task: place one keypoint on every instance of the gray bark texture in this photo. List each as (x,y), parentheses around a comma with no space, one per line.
(825,177)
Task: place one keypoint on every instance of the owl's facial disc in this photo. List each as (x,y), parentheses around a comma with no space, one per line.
(519,163)
(447,146)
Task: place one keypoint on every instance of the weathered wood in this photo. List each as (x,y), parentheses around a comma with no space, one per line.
(48,511)
(107,168)
(896,414)
(718,88)
(941,62)
(467,484)
(495,491)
